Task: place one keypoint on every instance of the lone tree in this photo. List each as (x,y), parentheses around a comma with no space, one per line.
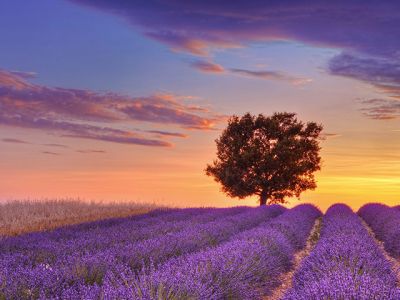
(273,157)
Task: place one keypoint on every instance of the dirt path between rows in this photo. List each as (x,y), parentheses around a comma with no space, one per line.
(395,263)
(286,278)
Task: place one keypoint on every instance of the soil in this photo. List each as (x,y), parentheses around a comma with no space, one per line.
(394,262)
(286,278)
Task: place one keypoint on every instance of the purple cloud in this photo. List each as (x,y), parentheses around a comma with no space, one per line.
(379,71)
(383,73)
(166,115)
(368,26)
(381,109)
(121,139)
(94,115)
(369,30)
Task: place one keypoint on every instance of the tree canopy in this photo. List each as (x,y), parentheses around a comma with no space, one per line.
(273,157)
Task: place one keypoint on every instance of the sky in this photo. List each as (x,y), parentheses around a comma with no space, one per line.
(122,100)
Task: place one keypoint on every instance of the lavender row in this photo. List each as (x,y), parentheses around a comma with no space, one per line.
(385,222)
(191,239)
(29,261)
(20,277)
(246,267)
(46,247)
(346,263)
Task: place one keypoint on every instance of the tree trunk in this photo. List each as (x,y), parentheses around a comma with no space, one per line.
(263,199)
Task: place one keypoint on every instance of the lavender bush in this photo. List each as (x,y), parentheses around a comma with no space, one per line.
(246,267)
(346,263)
(97,234)
(236,253)
(48,265)
(385,222)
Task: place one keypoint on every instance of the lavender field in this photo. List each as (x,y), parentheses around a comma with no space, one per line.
(269,252)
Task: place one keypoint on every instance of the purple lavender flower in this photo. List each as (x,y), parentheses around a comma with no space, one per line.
(246,267)
(385,222)
(346,263)
(74,260)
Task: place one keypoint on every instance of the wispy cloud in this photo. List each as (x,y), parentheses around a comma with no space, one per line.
(167,133)
(14,141)
(328,135)
(121,139)
(207,66)
(196,27)
(196,46)
(11,80)
(50,153)
(89,151)
(381,109)
(370,41)
(56,145)
(382,73)
(94,115)
(271,75)
(24,74)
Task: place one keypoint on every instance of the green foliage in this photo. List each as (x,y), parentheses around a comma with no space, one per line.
(273,157)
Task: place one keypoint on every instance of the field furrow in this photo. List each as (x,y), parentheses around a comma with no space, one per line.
(394,262)
(346,263)
(89,237)
(53,264)
(385,222)
(246,267)
(268,252)
(287,278)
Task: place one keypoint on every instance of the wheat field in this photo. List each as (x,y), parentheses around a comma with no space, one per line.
(23,216)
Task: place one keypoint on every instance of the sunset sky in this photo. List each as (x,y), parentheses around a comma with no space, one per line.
(122,100)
